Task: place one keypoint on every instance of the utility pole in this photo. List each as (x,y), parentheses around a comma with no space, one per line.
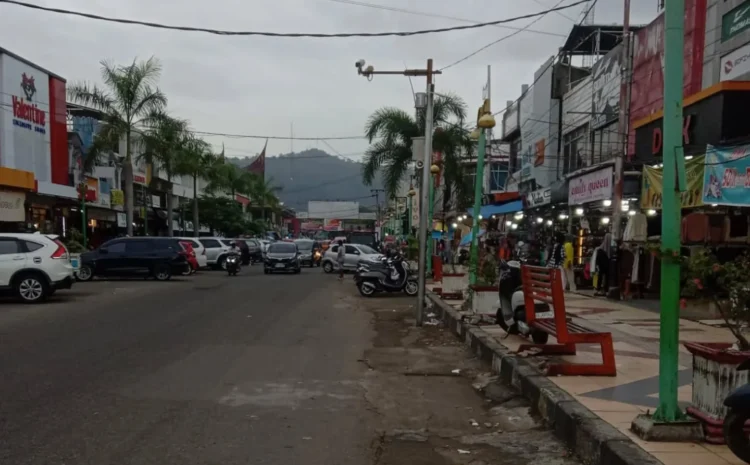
(673,182)
(369,73)
(376,193)
(623,128)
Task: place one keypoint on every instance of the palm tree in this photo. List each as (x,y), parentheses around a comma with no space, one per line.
(129,95)
(229,178)
(163,141)
(390,132)
(264,192)
(195,160)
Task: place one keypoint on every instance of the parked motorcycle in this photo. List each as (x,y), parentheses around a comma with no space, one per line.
(233,264)
(394,278)
(738,403)
(511,315)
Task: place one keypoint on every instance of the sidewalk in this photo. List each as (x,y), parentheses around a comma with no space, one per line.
(634,390)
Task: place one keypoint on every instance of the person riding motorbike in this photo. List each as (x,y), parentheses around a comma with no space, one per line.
(233,249)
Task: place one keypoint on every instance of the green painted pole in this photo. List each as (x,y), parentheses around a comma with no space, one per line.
(474,262)
(668,410)
(430,241)
(84,222)
(408,232)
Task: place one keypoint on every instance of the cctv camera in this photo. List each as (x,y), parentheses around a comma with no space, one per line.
(360,63)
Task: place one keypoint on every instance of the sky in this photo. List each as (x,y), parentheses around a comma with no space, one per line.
(267,86)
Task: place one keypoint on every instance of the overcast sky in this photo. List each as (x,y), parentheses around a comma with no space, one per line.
(256,85)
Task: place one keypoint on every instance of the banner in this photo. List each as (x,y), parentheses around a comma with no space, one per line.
(726,180)
(651,188)
(118,197)
(591,187)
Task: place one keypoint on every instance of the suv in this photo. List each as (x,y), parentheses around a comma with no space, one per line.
(160,257)
(216,251)
(34,266)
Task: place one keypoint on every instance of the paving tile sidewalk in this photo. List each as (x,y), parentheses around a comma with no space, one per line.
(634,390)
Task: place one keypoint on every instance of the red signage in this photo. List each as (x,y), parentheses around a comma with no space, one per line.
(647,91)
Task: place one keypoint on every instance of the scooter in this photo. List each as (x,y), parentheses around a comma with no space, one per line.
(233,264)
(387,280)
(511,315)
(738,403)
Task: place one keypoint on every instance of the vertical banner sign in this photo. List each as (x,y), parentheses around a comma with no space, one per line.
(726,180)
(652,185)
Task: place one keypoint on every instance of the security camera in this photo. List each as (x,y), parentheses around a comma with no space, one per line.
(420,164)
(360,63)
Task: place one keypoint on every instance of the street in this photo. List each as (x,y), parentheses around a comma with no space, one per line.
(257,369)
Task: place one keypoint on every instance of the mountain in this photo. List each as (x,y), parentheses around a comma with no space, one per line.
(315,175)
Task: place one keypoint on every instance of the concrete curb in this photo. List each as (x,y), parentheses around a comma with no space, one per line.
(593,440)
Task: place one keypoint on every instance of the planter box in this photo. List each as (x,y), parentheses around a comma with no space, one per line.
(714,378)
(454,285)
(484,300)
(75,261)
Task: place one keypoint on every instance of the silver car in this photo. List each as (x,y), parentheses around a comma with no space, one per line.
(353,254)
(216,250)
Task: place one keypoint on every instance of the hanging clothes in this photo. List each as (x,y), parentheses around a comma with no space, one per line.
(637,228)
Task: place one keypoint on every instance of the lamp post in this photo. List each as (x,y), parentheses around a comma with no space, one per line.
(411,195)
(485,123)
(434,170)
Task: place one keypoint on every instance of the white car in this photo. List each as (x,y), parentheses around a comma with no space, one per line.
(200,251)
(353,253)
(216,250)
(34,266)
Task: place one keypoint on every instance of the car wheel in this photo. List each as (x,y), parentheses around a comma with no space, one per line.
(265,271)
(85,273)
(31,288)
(222,263)
(187,271)
(162,273)
(298,271)
(328,267)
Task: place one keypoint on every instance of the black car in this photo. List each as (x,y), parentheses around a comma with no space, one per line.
(158,257)
(307,248)
(254,250)
(282,256)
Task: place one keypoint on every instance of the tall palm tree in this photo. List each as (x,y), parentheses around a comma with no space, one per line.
(229,178)
(264,192)
(390,132)
(129,95)
(196,160)
(163,141)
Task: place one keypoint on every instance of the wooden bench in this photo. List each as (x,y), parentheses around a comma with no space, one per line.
(545,285)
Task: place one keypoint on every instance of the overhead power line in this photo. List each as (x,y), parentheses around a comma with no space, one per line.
(253,136)
(284,34)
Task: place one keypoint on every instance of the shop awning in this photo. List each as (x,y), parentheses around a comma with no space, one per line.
(466,240)
(488,210)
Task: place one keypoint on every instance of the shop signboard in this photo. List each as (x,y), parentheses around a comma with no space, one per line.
(11,206)
(735,64)
(92,190)
(651,187)
(736,21)
(726,180)
(591,187)
(607,80)
(122,220)
(539,197)
(117,197)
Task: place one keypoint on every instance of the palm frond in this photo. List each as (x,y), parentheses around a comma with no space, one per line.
(391,124)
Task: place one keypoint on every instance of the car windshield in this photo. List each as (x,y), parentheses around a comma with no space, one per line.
(367,250)
(304,246)
(282,247)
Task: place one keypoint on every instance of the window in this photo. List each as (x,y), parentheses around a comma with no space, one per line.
(335,249)
(32,246)
(9,246)
(210,243)
(226,242)
(304,245)
(138,246)
(282,247)
(498,176)
(115,247)
(576,149)
(368,250)
(351,250)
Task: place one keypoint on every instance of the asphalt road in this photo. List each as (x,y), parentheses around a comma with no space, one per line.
(254,369)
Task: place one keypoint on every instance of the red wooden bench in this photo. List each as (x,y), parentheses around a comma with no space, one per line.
(545,285)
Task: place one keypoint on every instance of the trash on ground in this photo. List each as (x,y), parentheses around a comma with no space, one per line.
(456,371)
(463,451)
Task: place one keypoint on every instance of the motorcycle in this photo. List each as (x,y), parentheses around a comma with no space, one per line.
(511,315)
(316,257)
(394,278)
(233,264)
(738,403)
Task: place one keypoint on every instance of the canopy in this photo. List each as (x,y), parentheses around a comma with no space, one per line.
(488,210)
(466,240)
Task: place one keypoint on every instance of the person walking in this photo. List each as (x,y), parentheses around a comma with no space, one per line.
(340,255)
(568,273)
(557,255)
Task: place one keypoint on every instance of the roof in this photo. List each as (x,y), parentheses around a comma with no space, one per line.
(30,63)
(582,38)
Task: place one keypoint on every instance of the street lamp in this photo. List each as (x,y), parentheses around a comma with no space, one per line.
(484,124)
(434,170)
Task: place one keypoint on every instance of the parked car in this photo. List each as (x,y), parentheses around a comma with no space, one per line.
(216,250)
(158,257)
(282,256)
(264,243)
(200,251)
(353,254)
(254,249)
(34,266)
(307,247)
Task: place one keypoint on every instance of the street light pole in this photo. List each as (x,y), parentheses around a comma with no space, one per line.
(485,122)
(434,170)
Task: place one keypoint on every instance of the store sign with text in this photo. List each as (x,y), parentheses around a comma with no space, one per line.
(735,64)
(736,21)
(726,180)
(591,187)
(653,182)
(538,198)
(11,206)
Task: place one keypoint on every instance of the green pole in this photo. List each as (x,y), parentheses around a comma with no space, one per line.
(474,262)
(429,224)
(668,410)
(408,233)
(84,223)
(146,201)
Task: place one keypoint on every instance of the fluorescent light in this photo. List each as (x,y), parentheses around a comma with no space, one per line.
(579,211)
(514,226)
(605,220)
(651,212)
(540,220)
(607,203)
(549,222)
(632,212)
(508,222)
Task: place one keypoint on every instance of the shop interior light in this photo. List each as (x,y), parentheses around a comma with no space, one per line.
(689,157)
(508,222)
(714,204)
(540,220)
(493,217)
(625,201)
(605,220)
(579,211)
(563,216)
(632,212)
(481,217)
(455,225)
(518,215)
(549,222)
(514,226)
(651,212)
(625,207)
(607,203)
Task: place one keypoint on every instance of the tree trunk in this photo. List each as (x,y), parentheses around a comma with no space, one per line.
(127,177)
(196,226)
(170,210)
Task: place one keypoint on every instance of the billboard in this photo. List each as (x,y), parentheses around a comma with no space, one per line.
(339,210)
(606,83)
(25,127)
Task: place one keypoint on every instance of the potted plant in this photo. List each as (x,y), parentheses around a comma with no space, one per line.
(484,295)
(74,244)
(454,281)
(714,364)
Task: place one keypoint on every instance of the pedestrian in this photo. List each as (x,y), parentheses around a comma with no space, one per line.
(340,255)
(568,273)
(603,255)
(557,253)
